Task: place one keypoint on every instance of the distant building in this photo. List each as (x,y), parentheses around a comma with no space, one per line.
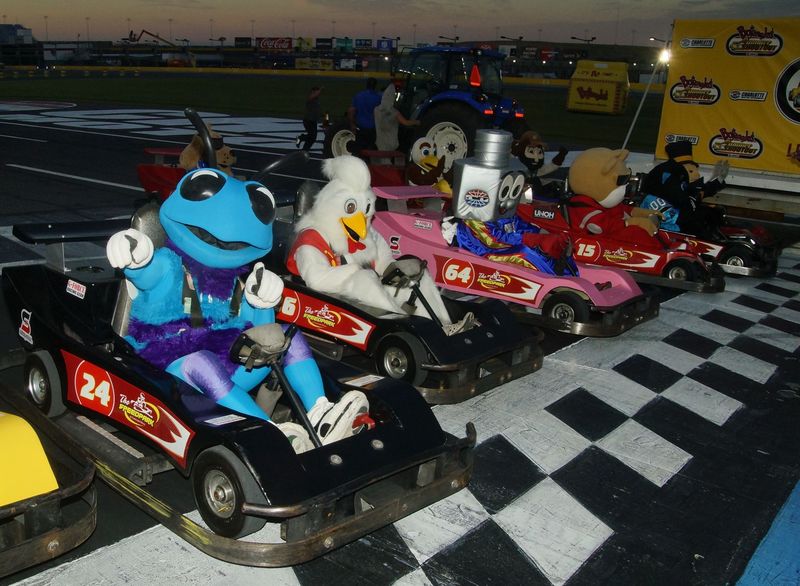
(15,34)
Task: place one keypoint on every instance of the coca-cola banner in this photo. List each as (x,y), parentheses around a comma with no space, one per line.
(274,43)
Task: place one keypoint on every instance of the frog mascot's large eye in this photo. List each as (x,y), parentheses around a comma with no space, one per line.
(262,202)
(202,184)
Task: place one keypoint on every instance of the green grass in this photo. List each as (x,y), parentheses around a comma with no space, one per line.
(285,97)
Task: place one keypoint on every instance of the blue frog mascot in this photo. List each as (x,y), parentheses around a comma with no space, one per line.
(196,294)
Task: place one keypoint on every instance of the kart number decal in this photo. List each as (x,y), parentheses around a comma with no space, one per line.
(461,274)
(316,315)
(95,388)
(458,272)
(587,251)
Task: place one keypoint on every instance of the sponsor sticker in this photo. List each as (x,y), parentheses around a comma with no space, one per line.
(752,42)
(423,224)
(223,420)
(544,214)
(476,198)
(76,289)
(365,380)
(24,330)
(670,138)
(394,243)
(787,92)
(690,90)
(690,43)
(733,144)
(747,95)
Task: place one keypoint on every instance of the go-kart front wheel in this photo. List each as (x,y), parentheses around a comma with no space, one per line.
(399,356)
(43,383)
(680,270)
(221,483)
(567,308)
(737,256)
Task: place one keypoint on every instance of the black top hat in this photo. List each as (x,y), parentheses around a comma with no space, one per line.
(680,151)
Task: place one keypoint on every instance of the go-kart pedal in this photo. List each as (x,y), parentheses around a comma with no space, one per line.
(466,323)
(334,421)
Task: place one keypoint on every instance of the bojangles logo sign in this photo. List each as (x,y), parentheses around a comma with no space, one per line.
(754,42)
(690,90)
(731,143)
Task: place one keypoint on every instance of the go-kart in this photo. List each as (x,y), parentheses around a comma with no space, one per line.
(72,316)
(737,250)
(48,503)
(671,261)
(445,369)
(599,302)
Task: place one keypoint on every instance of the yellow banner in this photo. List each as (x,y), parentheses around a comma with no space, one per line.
(313,63)
(733,91)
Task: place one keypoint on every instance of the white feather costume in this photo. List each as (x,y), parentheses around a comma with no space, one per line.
(342,215)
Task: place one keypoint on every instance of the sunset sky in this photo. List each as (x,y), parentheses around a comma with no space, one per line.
(611,21)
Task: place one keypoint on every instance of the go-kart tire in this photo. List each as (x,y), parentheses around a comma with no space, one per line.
(452,127)
(567,308)
(43,383)
(737,256)
(399,356)
(337,139)
(221,483)
(681,270)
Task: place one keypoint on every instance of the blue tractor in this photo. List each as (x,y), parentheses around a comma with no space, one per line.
(453,91)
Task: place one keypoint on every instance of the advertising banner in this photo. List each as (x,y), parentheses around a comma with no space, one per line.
(324,43)
(274,43)
(313,63)
(599,86)
(385,44)
(363,43)
(733,91)
(242,42)
(344,44)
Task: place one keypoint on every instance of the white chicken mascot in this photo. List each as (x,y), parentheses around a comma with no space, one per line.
(337,251)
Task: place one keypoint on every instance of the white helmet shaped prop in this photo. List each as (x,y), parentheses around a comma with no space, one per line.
(343,209)
(488,185)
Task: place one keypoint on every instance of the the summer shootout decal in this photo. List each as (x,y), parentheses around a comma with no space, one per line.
(754,42)
(95,388)
(462,274)
(690,90)
(787,92)
(735,144)
(312,313)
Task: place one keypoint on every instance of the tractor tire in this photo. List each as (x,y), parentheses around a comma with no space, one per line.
(337,139)
(451,127)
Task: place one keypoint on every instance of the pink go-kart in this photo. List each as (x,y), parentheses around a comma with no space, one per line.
(598,302)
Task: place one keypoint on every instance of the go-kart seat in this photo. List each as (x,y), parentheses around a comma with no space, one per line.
(146,220)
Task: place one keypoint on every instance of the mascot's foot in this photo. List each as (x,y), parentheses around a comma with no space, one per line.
(297,436)
(465,323)
(335,421)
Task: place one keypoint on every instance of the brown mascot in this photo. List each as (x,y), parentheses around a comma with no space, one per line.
(598,178)
(193,153)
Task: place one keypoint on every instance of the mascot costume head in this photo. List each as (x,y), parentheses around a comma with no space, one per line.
(192,155)
(599,178)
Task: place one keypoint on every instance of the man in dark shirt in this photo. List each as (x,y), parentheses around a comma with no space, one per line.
(310,119)
(361,116)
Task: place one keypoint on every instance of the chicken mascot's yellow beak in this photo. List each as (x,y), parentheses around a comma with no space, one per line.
(429,162)
(355,226)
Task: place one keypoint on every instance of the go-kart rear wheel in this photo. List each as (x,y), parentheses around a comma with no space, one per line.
(221,483)
(680,270)
(43,383)
(737,256)
(567,308)
(399,356)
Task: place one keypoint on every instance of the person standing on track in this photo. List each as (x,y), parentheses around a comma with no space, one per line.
(361,116)
(310,119)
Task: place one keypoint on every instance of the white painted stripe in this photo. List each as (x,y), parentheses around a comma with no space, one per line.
(78,177)
(22,138)
(111,437)
(645,451)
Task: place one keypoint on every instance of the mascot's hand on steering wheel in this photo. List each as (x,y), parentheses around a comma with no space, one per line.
(263,288)
(129,249)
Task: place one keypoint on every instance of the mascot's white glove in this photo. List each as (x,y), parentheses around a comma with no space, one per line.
(263,288)
(449,228)
(720,172)
(129,249)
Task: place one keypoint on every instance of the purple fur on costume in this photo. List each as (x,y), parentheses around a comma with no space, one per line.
(298,349)
(217,282)
(178,338)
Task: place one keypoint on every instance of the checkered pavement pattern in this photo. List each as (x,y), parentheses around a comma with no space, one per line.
(657,457)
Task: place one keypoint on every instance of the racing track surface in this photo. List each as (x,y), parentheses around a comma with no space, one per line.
(661,456)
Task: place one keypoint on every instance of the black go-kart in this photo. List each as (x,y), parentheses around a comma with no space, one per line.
(71,318)
(444,368)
